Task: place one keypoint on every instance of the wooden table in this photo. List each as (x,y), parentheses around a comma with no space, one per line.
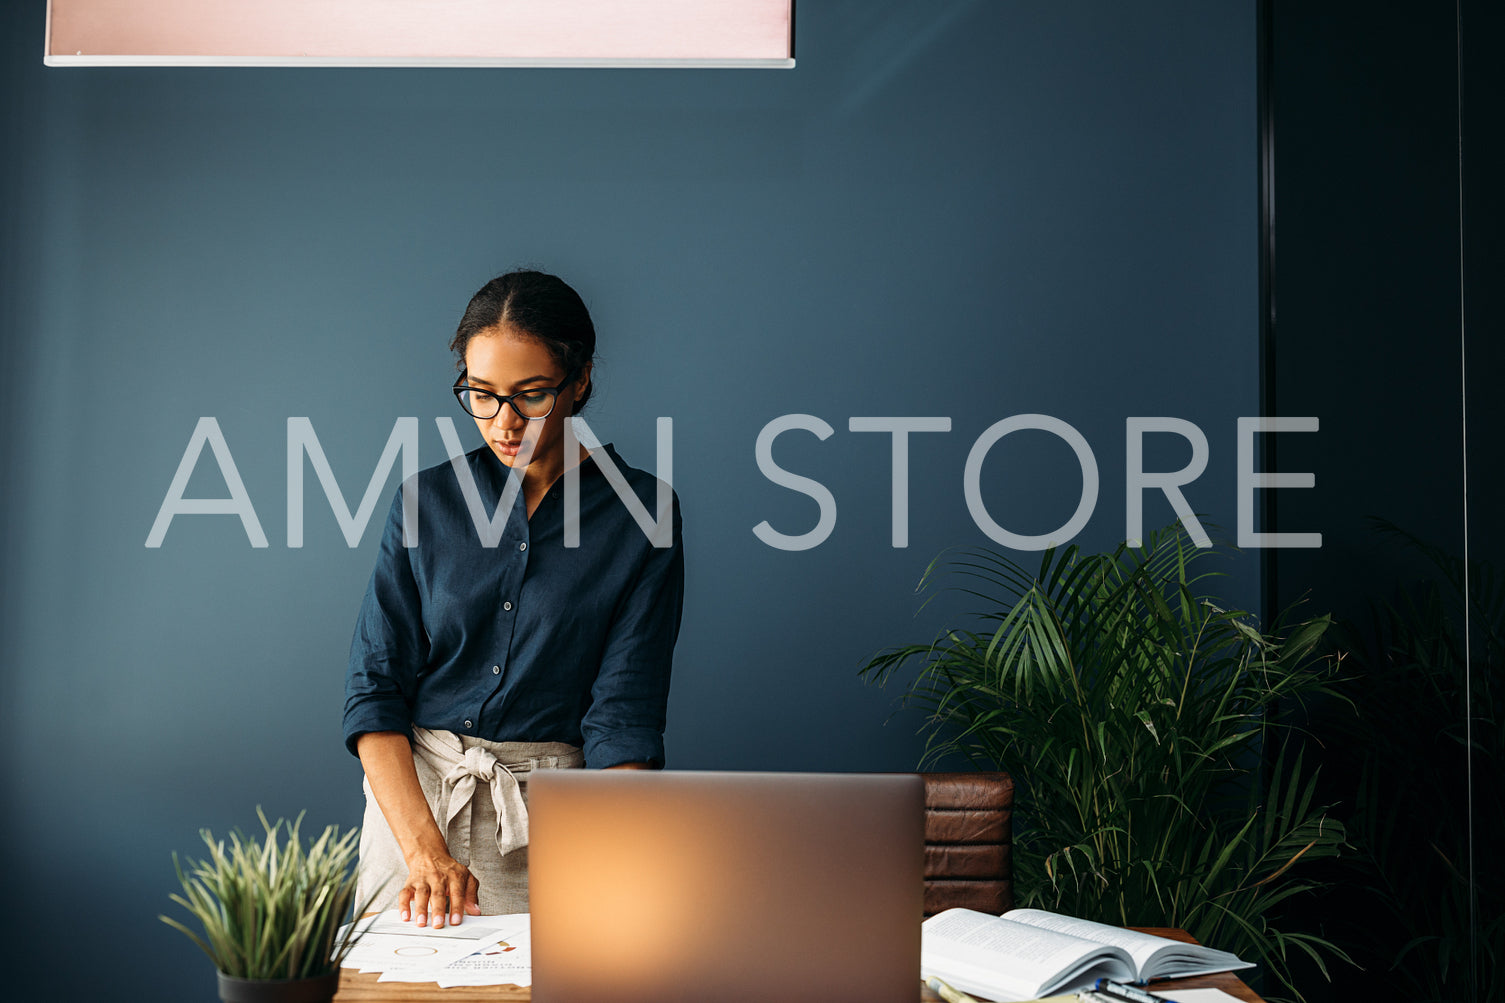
(357,988)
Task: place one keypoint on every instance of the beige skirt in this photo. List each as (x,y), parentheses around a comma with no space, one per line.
(478,793)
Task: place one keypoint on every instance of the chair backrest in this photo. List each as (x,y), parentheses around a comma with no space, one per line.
(968,837)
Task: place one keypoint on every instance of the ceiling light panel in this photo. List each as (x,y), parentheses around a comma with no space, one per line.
(724,33)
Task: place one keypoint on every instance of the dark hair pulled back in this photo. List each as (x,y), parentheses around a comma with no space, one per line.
(539,305)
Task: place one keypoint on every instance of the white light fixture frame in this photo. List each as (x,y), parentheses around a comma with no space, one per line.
(458,33)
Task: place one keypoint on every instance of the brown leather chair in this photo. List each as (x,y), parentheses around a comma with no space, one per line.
(968,836)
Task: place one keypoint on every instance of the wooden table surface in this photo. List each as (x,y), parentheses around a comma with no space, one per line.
(358,988)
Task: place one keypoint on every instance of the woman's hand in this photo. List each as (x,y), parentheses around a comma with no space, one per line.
(438,886)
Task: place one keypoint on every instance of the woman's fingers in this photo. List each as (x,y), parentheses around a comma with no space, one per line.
(473,896)
(428,899)
(459,882)
(437,902)
(439,892)
(421,903)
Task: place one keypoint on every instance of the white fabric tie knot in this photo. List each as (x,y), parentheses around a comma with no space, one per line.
(478,764)
(461,768)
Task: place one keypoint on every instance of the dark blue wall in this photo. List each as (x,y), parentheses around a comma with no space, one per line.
(965,209)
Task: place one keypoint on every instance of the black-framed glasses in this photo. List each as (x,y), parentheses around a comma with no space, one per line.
(533,404)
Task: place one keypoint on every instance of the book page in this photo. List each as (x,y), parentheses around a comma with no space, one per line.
(1139,945)
(1143,948)
(1025,959)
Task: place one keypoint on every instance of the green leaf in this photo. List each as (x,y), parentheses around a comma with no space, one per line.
(271,908)
(1133,710)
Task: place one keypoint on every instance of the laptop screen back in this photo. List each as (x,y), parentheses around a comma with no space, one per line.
(647,887)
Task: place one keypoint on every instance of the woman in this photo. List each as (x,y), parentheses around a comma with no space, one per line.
(492,643)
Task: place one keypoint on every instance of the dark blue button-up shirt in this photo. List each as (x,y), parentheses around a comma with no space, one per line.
(527,640)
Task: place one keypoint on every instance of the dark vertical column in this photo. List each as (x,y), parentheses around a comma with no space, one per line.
(1388,310)
(1268,400)
(1481,88)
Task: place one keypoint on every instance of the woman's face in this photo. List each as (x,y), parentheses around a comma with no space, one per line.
(506,362)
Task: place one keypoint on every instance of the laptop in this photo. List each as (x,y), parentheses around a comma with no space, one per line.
(651,887)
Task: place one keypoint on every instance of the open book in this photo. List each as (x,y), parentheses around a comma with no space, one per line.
(1027,953)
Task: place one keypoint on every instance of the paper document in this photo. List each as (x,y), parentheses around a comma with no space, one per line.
(1196,995)
(471,928)
(382,952)
(507,963)
(483,950)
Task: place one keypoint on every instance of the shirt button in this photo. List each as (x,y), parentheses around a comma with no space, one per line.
(467,723)
(506,605)
(522,546)
(496,670)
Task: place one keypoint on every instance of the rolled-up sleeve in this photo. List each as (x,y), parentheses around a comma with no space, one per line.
(629,700)
(390,644)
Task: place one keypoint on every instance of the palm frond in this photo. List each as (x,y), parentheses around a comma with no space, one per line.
(1134,712)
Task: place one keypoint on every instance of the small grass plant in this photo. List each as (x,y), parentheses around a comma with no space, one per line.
(271,908)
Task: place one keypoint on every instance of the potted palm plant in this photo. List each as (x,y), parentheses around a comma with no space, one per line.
(271,910)
(1144,725)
